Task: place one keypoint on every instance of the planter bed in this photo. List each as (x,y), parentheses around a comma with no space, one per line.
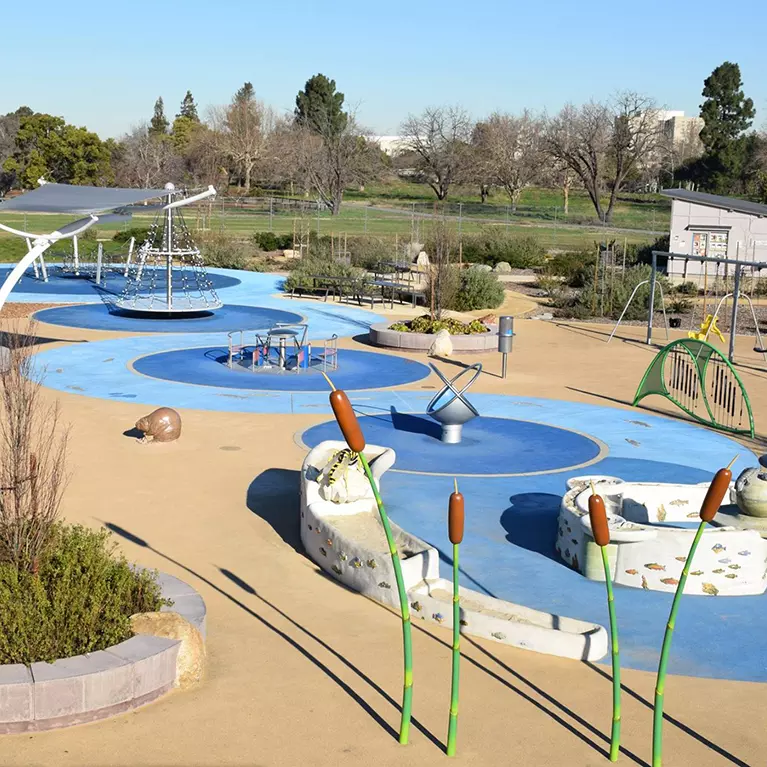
(382,335)
(96,685)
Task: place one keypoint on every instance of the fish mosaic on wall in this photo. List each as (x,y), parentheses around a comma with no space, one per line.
(632,572)
(678,502)
(670,581)
(731,575)
(717,547)
(709,588)
(661,513)
(655,566)
(439,617)
(744,553)
(372,564)
(697,572)
(417,606)
(323,552)
(384,585)
(336,569)
(645,586)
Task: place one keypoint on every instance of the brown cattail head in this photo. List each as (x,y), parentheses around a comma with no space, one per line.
(720,484)
(347,420)
(455,517)
(598,517)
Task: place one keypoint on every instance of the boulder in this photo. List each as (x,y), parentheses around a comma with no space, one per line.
(190,663)
(481,267)
(442,346)
(422,259)
(502,267)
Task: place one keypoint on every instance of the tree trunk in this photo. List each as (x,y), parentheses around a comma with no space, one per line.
(515,195)
(248,168)
(566,193)
(483,192)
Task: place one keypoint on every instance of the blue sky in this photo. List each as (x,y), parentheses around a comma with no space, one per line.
(104,64)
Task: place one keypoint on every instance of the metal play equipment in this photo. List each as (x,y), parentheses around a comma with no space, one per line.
(505,339)
(282,348)
(170,276)
(450,407)
(700,380)
(628,303)
(99,205)
(739,267)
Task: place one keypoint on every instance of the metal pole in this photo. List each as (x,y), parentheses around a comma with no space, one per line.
(651,308)
(169,256)
(734,318)
(99,260)
(503,365)
(76,251)
(131,245)
(43,269)
(29,247)
(460,219)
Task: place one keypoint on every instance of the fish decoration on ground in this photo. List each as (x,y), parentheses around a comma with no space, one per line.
(731,575)
(718,571)
(725,561)
(733,567)
(709,588)
(632,572)
(372,564)
(417,606)
(670,581)
(678,502)
(323,552)
(717,548)
(744,553)
(439,617)
(633,442)
(697,572)
(336,569)
(655,566)
(681,559)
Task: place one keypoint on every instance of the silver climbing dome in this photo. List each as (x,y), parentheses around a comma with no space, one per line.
(168,275)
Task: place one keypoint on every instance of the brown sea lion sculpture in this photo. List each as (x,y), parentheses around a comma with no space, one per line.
(161,425)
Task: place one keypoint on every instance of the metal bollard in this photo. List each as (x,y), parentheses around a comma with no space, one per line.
(505,339)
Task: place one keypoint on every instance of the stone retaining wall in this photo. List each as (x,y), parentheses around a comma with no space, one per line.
(381,335)
(100,684)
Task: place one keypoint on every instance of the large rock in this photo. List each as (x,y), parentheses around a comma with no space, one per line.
(502,267)
(751,492)
(482,267)
(161,425)
(442,345)
(422,259)
(190,663)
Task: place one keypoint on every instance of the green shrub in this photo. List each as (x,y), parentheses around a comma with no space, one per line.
(139,232)
(680,306)
(367,251)
(79,600)
(573,266)
(424,324)
(221,250)
(479,290)
(494,244)
(687,289)
(269,241)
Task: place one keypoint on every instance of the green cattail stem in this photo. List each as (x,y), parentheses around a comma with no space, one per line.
(660,684)
(615,735)
(452,729)
(407,642)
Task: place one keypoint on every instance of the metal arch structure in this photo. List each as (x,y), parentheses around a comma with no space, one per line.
(700,380)
(456,410)
(628,303)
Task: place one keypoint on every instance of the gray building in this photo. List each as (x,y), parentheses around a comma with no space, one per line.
(714,226)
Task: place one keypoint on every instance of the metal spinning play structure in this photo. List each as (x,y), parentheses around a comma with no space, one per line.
(169,277)
(700,380)
(450,407)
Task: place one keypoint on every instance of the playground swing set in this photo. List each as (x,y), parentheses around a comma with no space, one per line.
(691,372)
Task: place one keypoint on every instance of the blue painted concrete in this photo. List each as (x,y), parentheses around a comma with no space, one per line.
(489,445)
(207,366)
(103,317)
(61,284)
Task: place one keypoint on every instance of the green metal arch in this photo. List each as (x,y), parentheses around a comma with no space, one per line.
(701,353)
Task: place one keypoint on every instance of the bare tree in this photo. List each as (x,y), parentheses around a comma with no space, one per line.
(327,162)
(243,128)
(439,139)
(443,275)
(509,150)
(145,160)
(603,143)
(33,451)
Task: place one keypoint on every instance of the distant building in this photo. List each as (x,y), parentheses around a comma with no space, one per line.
(391,145)
(716,227)
(683,133)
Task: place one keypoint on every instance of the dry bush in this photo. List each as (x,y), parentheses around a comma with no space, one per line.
(33,451)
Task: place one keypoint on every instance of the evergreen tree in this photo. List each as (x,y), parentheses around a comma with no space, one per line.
(244,94)
(727,114)
(319,106)
(158,126)
(189,108)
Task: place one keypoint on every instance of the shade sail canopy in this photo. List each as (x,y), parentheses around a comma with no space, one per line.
(64,198)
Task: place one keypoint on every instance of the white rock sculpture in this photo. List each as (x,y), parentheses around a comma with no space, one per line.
(442,346)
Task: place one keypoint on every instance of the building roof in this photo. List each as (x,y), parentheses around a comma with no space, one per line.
(717,201)
(63,198)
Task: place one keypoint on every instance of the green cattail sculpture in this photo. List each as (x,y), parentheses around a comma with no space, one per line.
(601,532)
(455,517)
(720,484)
(350,428)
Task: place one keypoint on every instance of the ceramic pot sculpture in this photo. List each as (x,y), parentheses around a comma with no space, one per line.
(751,490)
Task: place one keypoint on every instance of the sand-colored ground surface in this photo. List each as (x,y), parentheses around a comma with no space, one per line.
(304,672)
